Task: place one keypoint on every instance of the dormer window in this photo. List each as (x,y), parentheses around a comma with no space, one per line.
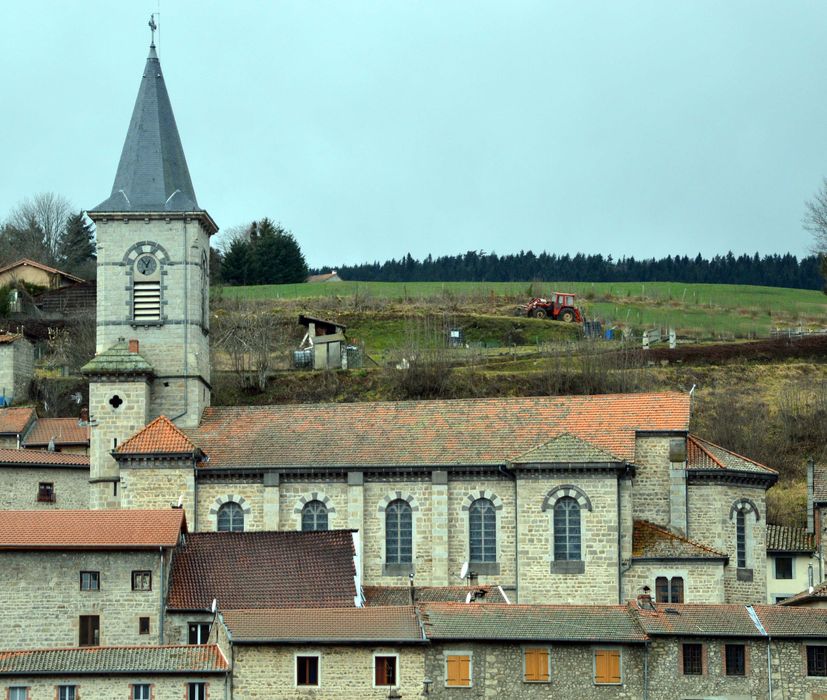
(146,289)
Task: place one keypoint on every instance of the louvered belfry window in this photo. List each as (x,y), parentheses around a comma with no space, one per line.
(146,289)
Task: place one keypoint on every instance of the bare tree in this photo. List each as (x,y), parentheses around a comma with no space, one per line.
(35,229)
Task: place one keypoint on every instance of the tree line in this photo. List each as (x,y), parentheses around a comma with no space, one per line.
(476,266)
(261,253)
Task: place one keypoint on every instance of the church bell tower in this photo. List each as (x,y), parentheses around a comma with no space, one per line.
(152,339)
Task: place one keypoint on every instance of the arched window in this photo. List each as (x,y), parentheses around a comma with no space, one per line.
(669,590)
(146,289)
(741,538)
(230,518)
(314,516)
(482,531)
(398,533)
(567,530)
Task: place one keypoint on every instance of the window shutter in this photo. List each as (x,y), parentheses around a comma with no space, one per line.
(453,670)
(600,667)
(536,664)
(465,670)
(459,670)
(613,658)
(147,301)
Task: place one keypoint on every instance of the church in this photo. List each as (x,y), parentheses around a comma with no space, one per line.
(556,499)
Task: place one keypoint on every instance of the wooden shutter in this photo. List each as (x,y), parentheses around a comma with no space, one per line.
(536,664)
(459,670)
(607,666)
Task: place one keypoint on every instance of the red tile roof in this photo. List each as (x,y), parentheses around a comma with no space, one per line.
(196,659)
(696,620)
(797,622)
(401,595)
(263,570)
(570,623)
(818,594)
(15,420)
(90,529)
(469,431)
(65,431)
(32,263)
(781,538)
(702,454)
(26,458)
(161,436)
(650,541)
(325,625)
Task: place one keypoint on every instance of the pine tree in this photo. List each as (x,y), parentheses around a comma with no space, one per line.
(78,246)
(235,267)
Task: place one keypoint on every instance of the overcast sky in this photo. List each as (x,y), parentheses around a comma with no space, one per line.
(373,129)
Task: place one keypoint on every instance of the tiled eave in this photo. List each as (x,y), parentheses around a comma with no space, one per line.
(619,468)
(139,460)
(377,641)
(730,476)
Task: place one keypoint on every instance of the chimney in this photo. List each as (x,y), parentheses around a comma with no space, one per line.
(644,600)
(133,345)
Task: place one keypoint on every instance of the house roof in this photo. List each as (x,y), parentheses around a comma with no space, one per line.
(650,541)
(152,173)
(205,658)
(565,448)
(781,538)
(820,482)
(161,436)
(324,625)
(90,529)
(565,623)
(14,421)
(65,431)
(263,570)
(42,458)
(694,620)
(401,595)
(325,277)
(448,432)
(6,338)
(117,360)
(799,622)
(702,454)
(817,595)
(26,262)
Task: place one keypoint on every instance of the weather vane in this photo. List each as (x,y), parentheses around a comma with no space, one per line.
(153,26)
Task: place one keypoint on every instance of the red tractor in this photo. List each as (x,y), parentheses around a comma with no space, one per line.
(561,307)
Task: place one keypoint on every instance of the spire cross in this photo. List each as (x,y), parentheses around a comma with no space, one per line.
(152,26)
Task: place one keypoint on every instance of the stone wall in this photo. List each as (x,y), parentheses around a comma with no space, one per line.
(108,687)
(43,591)
(16,370)
(266,672)
(18,488)
(710,523)
(703,581)
(176,626)
(497,671)
(651,485)
(158,484)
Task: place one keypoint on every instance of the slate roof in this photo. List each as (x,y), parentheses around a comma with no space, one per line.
(198,659)
(26,262)
(42,458)
(565,448)
(702,454)
(820,482)
(152,173)
(90,529)
(117,360)
(798,622)
(326,625)
(781,538)
(401,595)
(450,432)
(13,421)
(564,623)
(817,595)
(244,570)
(694,620)
(161,436)
(65,431)
(650,541)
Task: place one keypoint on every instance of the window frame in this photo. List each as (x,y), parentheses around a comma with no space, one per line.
(741,539)
(309,655)
(810,651)
(386,655)
(536,647)
(141,573)
(744,665)
(46,492)
(567,505)
(199,625)
(701,659)
(93,576)
(14,691)
(790,559)
(230,507)
(62,689)
(319,508)
(487,531)
(613,650)
(88,627)
(673,582)
(399,508)
(144,620)
(134,686)
(197,686)
(458,653)
(145,289)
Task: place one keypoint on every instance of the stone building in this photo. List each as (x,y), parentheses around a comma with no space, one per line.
(44,480)
(36,274)
(792,562)
(16,368)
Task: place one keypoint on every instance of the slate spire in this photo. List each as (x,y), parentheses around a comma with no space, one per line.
(152,174)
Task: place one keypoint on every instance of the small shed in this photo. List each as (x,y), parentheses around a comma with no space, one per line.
(324,345)
(331,276)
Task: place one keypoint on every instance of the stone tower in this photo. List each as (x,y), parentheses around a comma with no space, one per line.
(152,289)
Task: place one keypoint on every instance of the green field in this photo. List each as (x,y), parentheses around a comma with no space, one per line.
(699,310)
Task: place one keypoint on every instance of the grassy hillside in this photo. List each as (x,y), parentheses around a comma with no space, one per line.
(695,310)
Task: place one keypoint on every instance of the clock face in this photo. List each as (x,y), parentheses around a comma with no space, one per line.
(146,265)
